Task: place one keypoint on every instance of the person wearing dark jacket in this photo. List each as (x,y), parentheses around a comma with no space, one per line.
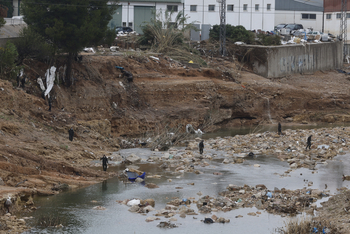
(71,134)
(104,162)
(201,146)
(309,142)
(279,129)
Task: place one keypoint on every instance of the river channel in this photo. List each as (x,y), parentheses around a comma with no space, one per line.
(75,207)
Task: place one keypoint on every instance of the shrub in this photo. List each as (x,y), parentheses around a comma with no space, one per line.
(2,22)
(269,39)
(8,56)
(109,38)
(233,33)
(163,32)
(33,45)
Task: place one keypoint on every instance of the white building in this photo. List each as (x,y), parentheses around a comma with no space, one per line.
(309,13)
(252,14)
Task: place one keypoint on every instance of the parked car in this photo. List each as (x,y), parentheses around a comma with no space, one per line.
(293,27)
(279,26)
(123,29)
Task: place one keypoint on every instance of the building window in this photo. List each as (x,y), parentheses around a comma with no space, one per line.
(172,8)
(338,15)
(211,7)
(308,16)
(347,15)
(328,16)
(256,7)
(130,24)
(268,7)
(124,24)
(193,8)
(245,7)
(230,7)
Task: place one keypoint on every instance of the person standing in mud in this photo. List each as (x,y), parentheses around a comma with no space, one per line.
(128,75)
(104,162)
(50,103)
(279,129)
(71,134)
(201,146)
(309,142)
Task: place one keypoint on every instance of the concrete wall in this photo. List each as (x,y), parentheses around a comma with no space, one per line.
(278,61)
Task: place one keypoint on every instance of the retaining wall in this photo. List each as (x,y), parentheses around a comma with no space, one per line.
(278,61)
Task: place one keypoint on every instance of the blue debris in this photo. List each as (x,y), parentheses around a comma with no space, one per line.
(314,230)
(269,194)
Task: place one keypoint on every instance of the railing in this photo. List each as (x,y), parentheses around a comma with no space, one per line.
(14,20)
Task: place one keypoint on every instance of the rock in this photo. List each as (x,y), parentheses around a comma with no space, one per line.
(239,216)
(133,202)
(151,219)
(132,159)
(148,201)
(99,208)
(134,209)
(310,183)
(242,191)
(252,214)
(256,165)
(166,225)
(226,161)
(139,180)
(217,173)
(151,185)
(208,220)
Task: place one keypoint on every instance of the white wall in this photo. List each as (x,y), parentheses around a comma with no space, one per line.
(128,9)
(333,25)
(295,17)
(250,19)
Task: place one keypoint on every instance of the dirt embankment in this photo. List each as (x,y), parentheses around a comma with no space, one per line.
(36,155)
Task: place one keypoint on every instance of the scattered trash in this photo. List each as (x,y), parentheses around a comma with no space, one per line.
(89,50)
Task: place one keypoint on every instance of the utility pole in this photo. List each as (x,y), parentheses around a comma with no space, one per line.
(222,27)
(344,26)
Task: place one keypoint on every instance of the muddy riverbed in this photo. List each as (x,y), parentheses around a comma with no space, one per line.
(75,208)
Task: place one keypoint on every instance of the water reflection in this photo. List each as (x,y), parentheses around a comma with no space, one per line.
(75,208)
(264,128)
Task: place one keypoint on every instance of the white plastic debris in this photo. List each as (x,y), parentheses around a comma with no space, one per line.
(121,84)
(113,48)
(155,58)
(239,43)
(50,78)
(133,202)
(41,84)
(89,50)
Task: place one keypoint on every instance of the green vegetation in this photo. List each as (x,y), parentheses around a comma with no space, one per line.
(70,25)
(2,22)
(239,33)
(233,33)
(269,39)
(109,37)
(32,45)
(8,56)
(163,33)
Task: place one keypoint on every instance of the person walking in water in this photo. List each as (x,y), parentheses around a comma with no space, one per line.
(309,142)
(104,162)
(201,146)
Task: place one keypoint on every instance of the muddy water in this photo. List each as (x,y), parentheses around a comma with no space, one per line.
(75,208)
